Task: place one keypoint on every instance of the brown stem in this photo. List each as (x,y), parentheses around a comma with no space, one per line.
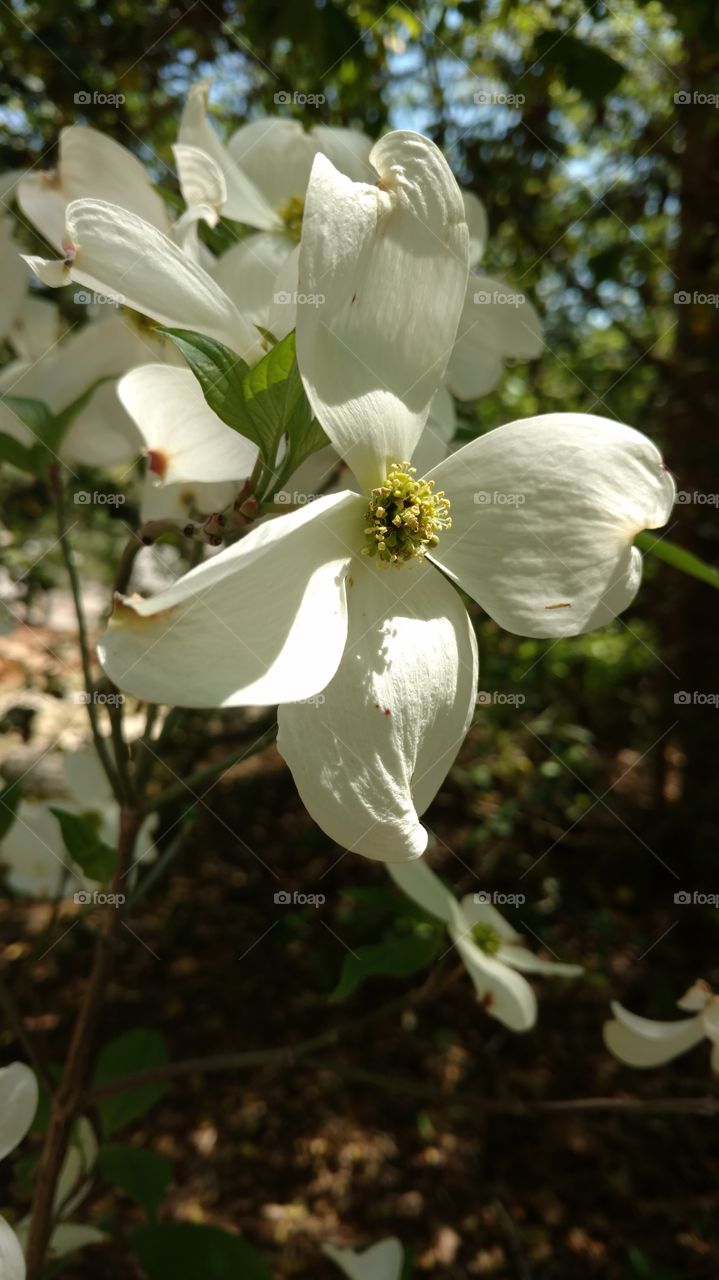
(70,1092)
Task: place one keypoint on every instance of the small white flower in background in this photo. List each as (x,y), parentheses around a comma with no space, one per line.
(18,1104)
(487,944)
(195,461)
(101,434)
(266,167)
(642,1042)
(382,1261)
(307,604)
(32,852)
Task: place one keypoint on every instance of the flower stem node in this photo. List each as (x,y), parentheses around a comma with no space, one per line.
(404,517)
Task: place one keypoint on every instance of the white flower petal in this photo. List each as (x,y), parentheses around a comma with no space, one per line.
(91,166)
(36,328)
(504,994)
(80,1157)
(390,261)
(370,754)
(382,1261)
(248,273)
(526,962)
(497,321)
(348,149)
(68,1237)
(117,254)
(185,501)
(14,278)
(543,514)
(184,439)
(276,154)
(283,312)
(482,912)
(12,1261)
(438,430)
(476,215)
(262,622)
(35,857)
(420,883)
(710,1019)
(18,1104)
(696,998)
(244,201)
(642,1042)
(201,179)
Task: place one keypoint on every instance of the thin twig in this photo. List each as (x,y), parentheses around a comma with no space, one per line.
(56,487)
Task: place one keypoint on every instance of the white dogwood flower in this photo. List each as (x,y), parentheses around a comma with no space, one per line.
(110,249)
(18,1104)
(183,438)
(351,596)
(642,1042)
(382,1261)
(487,943)
(32,851)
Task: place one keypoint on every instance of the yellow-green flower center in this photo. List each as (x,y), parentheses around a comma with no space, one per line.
(487,938)
(404,517)
(291,214)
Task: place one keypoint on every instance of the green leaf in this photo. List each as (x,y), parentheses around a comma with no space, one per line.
(276,402)
(82,840)
(59,423)
(220,373)
(582,66)
(188,1251)
(396,958)
(263,403)
(9,800)
(143,1175)
(33,413)
(22,456)
(133,1051)
(678,558)
(304,440)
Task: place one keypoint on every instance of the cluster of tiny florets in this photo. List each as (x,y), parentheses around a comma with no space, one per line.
(486,938)
(292,214)
(404,517)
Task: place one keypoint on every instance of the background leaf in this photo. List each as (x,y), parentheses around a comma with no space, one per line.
(141,1174)
(133,1051)
(186,1251)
